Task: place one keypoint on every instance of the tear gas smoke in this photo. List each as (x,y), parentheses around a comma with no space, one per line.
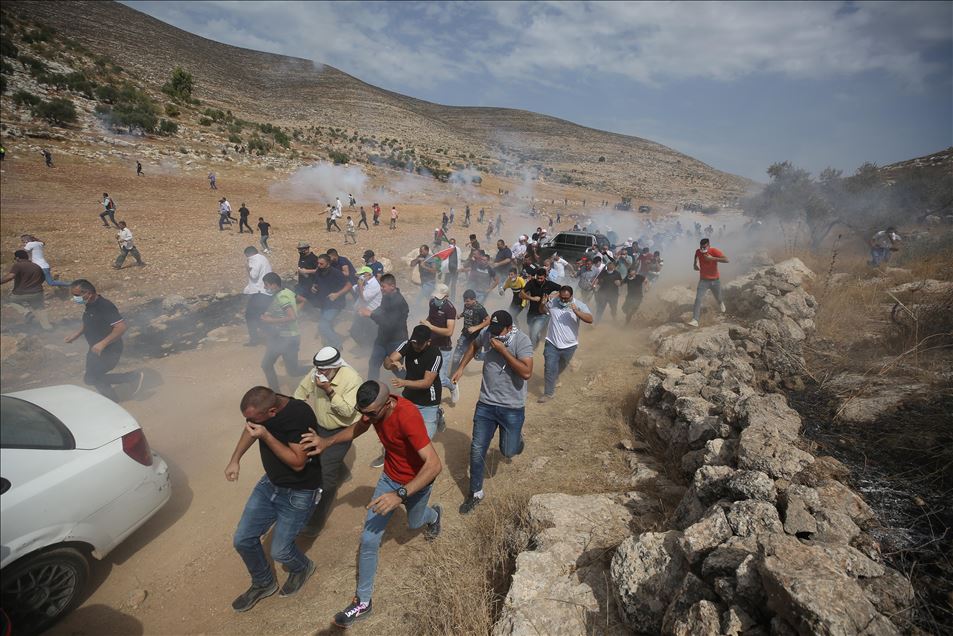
(322,182)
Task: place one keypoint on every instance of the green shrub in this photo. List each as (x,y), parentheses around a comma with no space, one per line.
(179,85)
(34,66)
(107,93)
(257,144)
(281,138)
(205,121)
(338,157)
(234,139)
(25,98)
(132,109)
(168,128)
(75,81)
(6,68)
(39,34)
(8,49)
(172,110)
(58,111)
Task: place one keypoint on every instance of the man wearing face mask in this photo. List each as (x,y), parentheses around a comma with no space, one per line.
(103,327)
(330,288)
(507,368)
(420,362)
(369,296)
(562,336)
(441,320)
(331,390)
(537,291)
(411,465)
(706,264)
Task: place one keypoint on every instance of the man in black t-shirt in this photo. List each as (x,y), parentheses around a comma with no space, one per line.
(420,362)
(103,327)
(475,319)
(503,259)
(284,497)
(391,320)
(535,291)
(442,319)
(264,228)
(330,288)
(607,290)
(307,268)
(634,286)
(243,213)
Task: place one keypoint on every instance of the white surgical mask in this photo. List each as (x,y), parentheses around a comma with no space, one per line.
(79,300)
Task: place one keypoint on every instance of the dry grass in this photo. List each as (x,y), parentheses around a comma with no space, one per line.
(466,575)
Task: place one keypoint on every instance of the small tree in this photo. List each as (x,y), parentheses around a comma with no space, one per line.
(179,85)
(58,111)
(168,128)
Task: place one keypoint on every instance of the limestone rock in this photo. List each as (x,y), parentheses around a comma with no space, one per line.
(646,572)
(702,537)
(714,339)
(701,618)
(752,518)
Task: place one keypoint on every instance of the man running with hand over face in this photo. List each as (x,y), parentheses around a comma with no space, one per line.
(410,466)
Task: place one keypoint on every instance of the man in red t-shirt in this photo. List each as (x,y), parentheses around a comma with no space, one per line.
(706,264)
(410,466)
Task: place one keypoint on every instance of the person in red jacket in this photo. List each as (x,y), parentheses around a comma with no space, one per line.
(706,264)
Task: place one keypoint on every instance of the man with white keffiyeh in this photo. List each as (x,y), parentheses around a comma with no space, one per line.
(331,390)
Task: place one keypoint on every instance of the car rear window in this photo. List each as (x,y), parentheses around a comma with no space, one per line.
(25,425)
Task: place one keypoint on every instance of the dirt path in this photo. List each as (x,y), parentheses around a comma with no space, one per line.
(183,558)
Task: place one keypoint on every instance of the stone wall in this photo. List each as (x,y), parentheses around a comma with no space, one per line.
(765,538)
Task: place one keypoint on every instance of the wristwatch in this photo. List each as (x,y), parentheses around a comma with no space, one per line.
(402,493)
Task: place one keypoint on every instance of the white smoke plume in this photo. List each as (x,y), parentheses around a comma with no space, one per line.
(322,182)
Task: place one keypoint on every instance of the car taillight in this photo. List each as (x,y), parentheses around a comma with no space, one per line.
(136,446)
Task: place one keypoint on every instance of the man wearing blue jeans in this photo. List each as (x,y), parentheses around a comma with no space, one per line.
(475,319)
(419,362)
(329,291)
(284,497)
(441,320)
(411,464)
(537,292)
(562,336)
(507,368)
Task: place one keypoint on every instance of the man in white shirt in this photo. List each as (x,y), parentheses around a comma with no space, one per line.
(562,336)
(126,247)
(258,299)
(557,269)
(369,296)
(224,214)
(519,251)
(34,248)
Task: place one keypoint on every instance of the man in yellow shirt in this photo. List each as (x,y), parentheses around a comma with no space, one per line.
(516,283)
(331,390)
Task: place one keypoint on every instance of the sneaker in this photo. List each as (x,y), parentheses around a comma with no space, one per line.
(467,506)
(252,595)
(352,613)
(544,398)
(432,531)
(296,580)
(722,308)
(455,394)
(441,421)
(378,461)
(693,323)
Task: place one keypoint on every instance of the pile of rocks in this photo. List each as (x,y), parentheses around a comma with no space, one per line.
(767,538)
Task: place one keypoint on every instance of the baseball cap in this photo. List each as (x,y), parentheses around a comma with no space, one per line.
(303,245)
(421,333)
(364,270)
(500,320)
(523,237)
(368,253)
(469,294)
(440,291)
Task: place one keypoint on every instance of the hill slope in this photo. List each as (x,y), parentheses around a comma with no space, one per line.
(294,92)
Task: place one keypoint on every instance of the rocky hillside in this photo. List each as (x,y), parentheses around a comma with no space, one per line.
(325,111)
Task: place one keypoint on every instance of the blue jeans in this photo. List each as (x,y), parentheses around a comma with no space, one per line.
(446,357)
(222,220)
(264,242)
(486,419)
(378,353)
(703,286)
(537,324)
(462,345)
(430,415)
(326,328)
(418,514)
(426,289)
(288,510)
(556,361)
(54,283)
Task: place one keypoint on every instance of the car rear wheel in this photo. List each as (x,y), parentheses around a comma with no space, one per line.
(40,589)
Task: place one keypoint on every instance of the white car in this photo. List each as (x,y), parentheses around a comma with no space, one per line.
(77,477)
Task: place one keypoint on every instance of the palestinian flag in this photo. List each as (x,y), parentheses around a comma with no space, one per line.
(442,257)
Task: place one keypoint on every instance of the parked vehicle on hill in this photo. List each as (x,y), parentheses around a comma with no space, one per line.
(573,245)
(645,209)
(625,205)
(77,477)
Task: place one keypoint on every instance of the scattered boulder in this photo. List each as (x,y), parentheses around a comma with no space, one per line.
(647,571)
